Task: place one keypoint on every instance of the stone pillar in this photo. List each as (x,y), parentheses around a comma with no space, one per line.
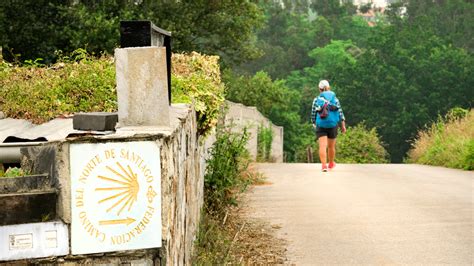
(142,87)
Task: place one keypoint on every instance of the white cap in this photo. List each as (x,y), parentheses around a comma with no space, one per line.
(323,83)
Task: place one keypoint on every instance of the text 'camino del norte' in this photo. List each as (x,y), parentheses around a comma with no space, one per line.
(122,181)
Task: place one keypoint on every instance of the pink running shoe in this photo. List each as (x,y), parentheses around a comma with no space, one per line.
(324,168)
(332,165)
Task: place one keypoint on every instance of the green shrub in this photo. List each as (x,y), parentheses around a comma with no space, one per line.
(358,145)
(196,79)
(448,142)
(228,159)
(264,143)
(227,175)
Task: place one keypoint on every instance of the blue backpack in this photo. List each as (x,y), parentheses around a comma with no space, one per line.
(328,101)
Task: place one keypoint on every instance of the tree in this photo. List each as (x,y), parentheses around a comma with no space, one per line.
(286,40)
(30,29)
(225,28)
(404,81)
(451,20)
(353,28)
(333,9)
(327,62)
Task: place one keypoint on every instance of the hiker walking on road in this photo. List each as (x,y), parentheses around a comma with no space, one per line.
(326,113)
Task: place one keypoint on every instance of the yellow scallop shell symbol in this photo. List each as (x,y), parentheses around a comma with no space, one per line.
(126,193)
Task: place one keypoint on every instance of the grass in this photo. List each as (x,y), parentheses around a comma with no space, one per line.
(449,142)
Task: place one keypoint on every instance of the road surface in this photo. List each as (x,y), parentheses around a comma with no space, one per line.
(369,214)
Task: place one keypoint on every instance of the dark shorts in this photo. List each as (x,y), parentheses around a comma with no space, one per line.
(331,133)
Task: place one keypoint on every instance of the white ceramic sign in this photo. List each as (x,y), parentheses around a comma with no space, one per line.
(34,240)
(115,196)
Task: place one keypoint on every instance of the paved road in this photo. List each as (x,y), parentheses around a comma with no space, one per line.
(369,214)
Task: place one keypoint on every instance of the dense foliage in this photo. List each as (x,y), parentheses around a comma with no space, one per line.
(36,28)
(82,83)
(399,87)
(449,142)
(397,76)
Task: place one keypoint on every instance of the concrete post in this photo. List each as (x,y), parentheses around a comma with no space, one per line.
(142,87)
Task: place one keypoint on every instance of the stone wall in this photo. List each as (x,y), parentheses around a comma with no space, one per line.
(245,116)
(182,180)
(182,190)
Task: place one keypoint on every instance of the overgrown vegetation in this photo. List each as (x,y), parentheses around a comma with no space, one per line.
(264,143)
(222,181)
(448,142)
(76,83)
(82,83)
(228,159)
(225,236)
(196,79)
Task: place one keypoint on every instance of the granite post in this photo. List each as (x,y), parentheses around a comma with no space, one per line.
(142,87)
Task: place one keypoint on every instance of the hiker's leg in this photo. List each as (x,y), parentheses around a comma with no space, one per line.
(323,143)
(331,150)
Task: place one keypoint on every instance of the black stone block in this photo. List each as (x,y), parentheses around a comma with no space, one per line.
(95,121)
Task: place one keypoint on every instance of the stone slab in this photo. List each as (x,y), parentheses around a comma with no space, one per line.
(33,240)
(142,86)
(96,121)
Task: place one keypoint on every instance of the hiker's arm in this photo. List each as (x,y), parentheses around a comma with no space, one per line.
(343,126)
(342,117)
(316,108)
